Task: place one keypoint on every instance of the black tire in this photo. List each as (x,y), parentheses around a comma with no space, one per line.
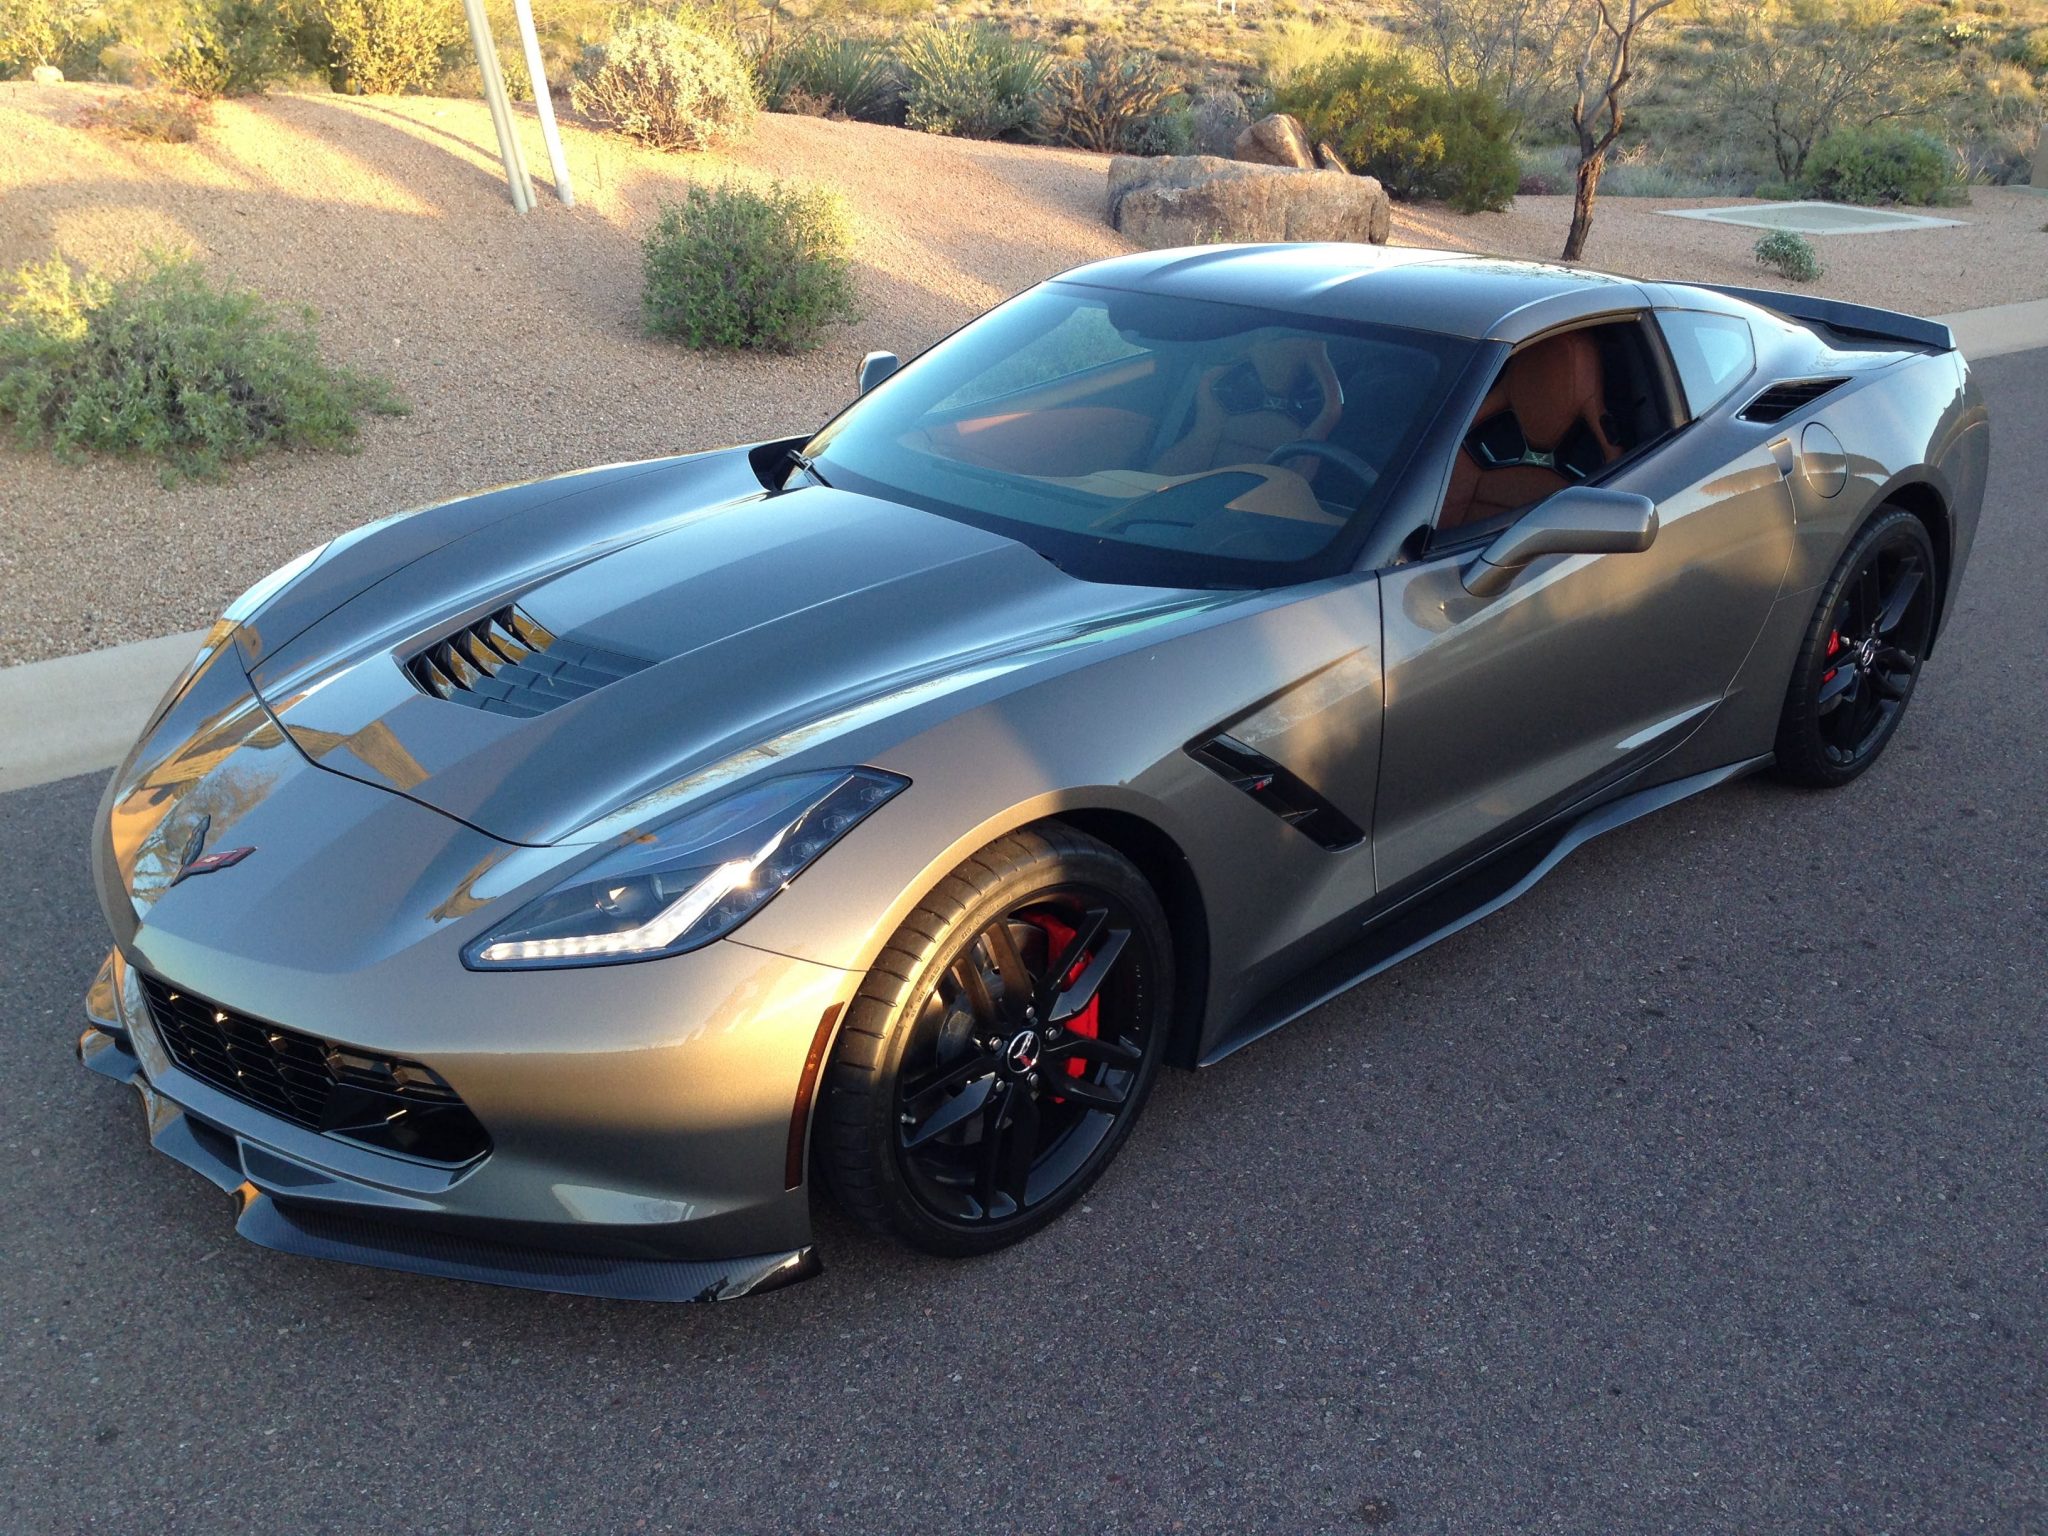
(1861,655)
(922,1123)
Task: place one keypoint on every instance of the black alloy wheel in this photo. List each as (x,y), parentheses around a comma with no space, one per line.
(1862,654)
(972,1102)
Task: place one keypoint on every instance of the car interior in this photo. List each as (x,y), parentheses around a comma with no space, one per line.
(1565,409)
(1260,445)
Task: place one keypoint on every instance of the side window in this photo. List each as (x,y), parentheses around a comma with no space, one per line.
(1714,353)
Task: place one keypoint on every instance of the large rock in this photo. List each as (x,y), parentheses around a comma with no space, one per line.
(1276,139)
(1201,200)
(47,74)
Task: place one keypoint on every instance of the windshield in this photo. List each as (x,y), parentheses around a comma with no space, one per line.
(1144,438)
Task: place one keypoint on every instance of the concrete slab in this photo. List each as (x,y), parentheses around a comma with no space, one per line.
(1813,218)
(80,714)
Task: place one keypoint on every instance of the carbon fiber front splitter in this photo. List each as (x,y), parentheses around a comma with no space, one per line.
(312,1232)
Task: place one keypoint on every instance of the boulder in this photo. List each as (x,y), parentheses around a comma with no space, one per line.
(47,74)
(1201,200)
(1276,139)
(1328,159)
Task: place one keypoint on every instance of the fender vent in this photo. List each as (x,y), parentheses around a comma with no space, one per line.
(1277,790)
(1781,400)
(506,664)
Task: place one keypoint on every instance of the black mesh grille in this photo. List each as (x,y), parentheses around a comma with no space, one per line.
(381,1101)
(1781,400)
(507,664)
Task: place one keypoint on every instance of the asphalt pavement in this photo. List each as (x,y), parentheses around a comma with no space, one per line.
(1700,1191)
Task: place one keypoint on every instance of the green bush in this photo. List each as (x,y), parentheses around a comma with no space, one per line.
(66,33)
(384,47)
(978,82)
(225,48)
(667,81)
(1110,98)
(821,75)
(1789,255)
(1881,165)
(730,267)
(166,365)
(1420,140)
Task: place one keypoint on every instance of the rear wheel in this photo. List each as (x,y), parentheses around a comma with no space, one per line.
(1861,656)
(999,1052)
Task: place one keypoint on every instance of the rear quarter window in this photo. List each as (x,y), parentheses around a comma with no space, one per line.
(1713,354)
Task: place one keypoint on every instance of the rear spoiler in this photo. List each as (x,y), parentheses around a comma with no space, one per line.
(1849,319)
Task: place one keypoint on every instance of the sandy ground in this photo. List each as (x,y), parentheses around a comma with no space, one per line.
(517,341)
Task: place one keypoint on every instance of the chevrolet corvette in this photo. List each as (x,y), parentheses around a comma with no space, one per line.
(564,885)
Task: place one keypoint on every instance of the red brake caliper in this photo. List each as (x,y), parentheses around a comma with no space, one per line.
(1057,937)
(1834,645)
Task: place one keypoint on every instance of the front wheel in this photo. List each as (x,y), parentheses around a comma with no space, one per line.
(1000,1050)
(1861,656)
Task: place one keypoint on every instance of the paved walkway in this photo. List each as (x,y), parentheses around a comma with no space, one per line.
(79,714)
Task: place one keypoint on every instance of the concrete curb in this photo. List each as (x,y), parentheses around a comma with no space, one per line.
(80,714)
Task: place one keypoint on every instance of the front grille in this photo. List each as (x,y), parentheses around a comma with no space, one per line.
(380,1101)
(1781,400)
(506,664)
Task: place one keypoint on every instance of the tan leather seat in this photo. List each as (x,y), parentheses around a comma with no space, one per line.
(1222,435)
(1556,393)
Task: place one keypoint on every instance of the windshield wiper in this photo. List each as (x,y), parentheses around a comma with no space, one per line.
(809,466)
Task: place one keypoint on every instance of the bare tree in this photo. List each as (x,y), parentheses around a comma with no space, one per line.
(1512,45)
(1798,69)
(1607,63)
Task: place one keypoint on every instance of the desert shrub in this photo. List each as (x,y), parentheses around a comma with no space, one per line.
(2030,50)
(667,81)
(165,364)
(1217,118)
(65,33)
(825,76)
(1420,140)
(155,117)
(731,267)
(225,48)
(384,47)
(1789,255)
(1169,131)
(1881,165)
(1776,191)
(1108,96)
(979,82)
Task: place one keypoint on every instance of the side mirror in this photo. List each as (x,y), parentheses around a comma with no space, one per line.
(1579,520)
(875,367)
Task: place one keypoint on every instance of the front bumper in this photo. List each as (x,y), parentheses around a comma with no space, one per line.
(698,1210)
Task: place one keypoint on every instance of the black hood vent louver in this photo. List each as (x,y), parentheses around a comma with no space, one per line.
(506,664)
(1782,399)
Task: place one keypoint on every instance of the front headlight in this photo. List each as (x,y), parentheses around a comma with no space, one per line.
(690,882)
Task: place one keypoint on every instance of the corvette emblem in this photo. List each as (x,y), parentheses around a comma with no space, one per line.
(1022,1053)
(198,861)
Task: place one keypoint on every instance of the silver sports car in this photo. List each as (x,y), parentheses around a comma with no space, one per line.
(558,886)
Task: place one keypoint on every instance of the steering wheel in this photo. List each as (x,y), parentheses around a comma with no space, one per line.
(1315,448)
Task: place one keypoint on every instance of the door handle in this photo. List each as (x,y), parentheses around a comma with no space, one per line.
(1788,460)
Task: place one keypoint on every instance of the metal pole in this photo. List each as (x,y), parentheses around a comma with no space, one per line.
(543,103)
(497,75)
(501,110)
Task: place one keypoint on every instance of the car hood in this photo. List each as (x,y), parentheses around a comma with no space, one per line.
(715,631)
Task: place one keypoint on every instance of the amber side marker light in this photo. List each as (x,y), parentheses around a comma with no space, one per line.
(806,1090)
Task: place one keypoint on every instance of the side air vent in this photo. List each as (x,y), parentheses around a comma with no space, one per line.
(1277,790)
(1781,400)
(506,664)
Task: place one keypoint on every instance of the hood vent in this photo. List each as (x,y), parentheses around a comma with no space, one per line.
(1781,400)
(506,664)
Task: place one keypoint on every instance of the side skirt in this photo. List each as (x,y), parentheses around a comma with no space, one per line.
(1413,923)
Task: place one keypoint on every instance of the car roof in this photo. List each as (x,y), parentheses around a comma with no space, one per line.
(1451,293)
